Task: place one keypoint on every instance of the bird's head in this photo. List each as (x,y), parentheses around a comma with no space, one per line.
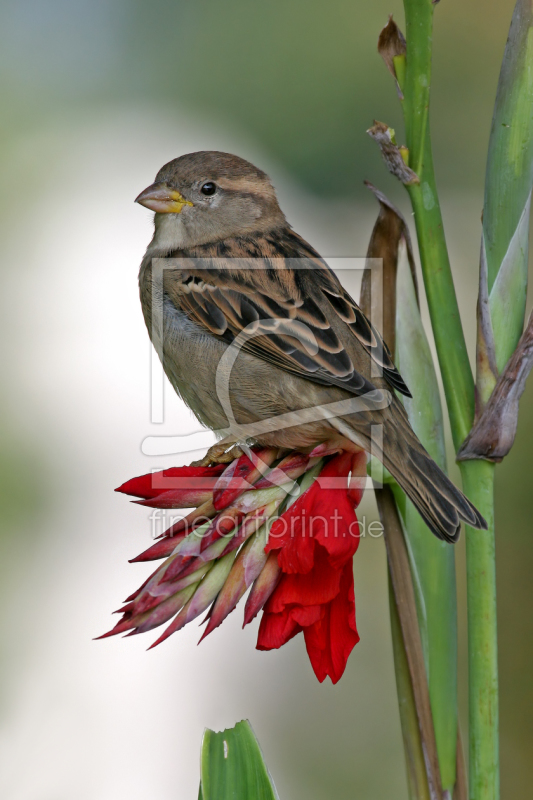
(206,197)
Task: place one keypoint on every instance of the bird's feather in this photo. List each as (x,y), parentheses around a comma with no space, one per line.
(282,292)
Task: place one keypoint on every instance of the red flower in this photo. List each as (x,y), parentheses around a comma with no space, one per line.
(316,539)
(299,571)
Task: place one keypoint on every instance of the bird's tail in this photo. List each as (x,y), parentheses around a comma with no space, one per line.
(438,501)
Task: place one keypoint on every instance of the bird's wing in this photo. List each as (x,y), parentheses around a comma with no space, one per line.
(288,316)
(347,310)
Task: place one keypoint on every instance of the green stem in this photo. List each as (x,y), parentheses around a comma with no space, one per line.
(459,390)
(442,300)
(444,311)
(478,480)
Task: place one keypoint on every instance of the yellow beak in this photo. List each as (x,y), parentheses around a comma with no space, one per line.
(160,197)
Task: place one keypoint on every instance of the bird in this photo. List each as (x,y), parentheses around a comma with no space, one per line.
(225,280)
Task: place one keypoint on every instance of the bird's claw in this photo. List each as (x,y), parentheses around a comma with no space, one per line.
(219,454)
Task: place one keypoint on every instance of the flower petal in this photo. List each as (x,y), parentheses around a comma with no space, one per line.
(275,630)
(289,468)
(330,641)
(262,588)
(313,588)
(230,594)
(323,514)
(155,483)
(202,598)
(240,476)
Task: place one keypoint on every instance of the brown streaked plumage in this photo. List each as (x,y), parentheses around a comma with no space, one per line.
(240,266)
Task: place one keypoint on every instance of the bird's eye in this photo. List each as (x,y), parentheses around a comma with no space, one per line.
(209,188)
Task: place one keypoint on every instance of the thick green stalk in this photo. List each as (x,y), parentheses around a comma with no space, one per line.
(446,323)
(482,641)
(508,182)
(459,390)
(447,330)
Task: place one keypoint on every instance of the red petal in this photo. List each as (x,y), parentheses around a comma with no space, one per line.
(330,641)
(297,551)
(307,616)
(161,549)
(178,498)
(275,630)
(262,588)
(154,483)
(333,523)
(240,476)
(314,588)
(289,468)
(323,514)
(194,519)
(232,482)
(178,568)
(228,597)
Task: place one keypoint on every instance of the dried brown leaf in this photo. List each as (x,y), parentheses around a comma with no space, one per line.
(390,228)
(391,43)
(404,594)
(493,434)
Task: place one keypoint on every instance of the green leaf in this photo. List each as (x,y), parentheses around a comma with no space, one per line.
(415,363)
(509,178)
(232,766)
(432,561)
(508,295)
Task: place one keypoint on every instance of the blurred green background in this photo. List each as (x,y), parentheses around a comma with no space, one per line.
(96,95)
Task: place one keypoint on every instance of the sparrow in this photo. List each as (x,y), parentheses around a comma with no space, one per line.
(238,278)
